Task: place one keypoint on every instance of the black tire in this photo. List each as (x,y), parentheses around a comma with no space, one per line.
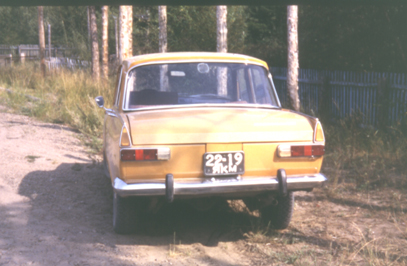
(125,214)
(279,215)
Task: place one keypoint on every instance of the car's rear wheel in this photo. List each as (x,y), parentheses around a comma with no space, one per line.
(279,215)
(126,216)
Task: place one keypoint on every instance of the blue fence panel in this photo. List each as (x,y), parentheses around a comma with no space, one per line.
(353,93)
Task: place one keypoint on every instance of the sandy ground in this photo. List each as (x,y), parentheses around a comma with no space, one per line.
(56,209)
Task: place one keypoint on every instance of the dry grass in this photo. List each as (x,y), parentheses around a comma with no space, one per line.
(64,96)
(352,228)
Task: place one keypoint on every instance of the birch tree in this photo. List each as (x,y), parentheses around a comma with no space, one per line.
(125,32)
(162,44)
(41,36)
(222,29)
(162,24)
(95,45)
(130,29)
(292,57)
(105,45)
(222,46)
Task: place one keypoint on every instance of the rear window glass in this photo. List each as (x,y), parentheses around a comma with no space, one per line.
(198,83)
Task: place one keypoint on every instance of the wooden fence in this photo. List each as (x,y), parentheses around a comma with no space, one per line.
(377,99)
(33,51)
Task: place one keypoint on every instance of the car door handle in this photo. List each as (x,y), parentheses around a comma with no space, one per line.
(111,114)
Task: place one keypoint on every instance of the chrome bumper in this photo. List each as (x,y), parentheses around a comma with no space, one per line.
(218,186)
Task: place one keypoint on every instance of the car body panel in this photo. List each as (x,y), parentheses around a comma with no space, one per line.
(218,125)
(191,56)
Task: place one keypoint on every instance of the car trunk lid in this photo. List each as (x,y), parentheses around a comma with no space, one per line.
(218,125)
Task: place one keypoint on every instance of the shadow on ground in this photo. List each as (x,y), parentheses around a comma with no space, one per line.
(78,198)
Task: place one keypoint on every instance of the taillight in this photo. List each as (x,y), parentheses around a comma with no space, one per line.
(145,154)
(286,150)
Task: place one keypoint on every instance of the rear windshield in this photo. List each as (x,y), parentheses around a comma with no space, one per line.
(198,83)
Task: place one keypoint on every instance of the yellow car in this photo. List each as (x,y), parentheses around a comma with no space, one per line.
(204,126)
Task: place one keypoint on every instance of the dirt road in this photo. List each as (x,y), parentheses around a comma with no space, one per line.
(56,209)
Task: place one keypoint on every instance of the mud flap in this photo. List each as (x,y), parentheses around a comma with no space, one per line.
(282,182)
(169,188)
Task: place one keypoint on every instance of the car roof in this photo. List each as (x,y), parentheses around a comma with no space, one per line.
(191,56)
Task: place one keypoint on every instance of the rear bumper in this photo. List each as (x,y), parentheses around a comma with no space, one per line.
(219,186)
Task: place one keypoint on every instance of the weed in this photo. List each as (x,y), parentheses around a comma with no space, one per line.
(368,157)
(32,158)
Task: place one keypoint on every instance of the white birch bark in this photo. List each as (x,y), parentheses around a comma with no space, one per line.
(162,24)
(222,46)
(105,45)
(222,29)
(89,34)
(292,58)
(123,34)
(130,29)
(95,44)
(41,37)
(116,33)
(162,44)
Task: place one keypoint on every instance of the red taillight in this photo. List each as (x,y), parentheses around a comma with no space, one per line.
(150,154)
(318,150)
(139,155)
(307,150)
(127,155)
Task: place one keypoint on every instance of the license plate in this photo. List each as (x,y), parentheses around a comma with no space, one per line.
(223,163)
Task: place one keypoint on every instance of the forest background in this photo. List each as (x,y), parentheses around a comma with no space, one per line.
(357,38)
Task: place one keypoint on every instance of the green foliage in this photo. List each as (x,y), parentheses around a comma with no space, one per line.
(361,38)
(192,28)
(18,25)
(267,33)
(370,38)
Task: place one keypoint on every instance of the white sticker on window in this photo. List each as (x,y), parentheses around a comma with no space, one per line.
(203,68)
(177,73)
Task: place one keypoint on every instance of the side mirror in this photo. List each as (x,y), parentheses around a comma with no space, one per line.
(100,101)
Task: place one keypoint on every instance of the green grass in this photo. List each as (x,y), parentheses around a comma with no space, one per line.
(64,96)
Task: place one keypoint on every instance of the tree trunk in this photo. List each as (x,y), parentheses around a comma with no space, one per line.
(222,46)
(49,42)
(95,44)
(222,30)
(105,45)
(89,31)
(292,58)
(162,24)
(130,29)
(116,33)
(162,45)
(41,35)
(123,34)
